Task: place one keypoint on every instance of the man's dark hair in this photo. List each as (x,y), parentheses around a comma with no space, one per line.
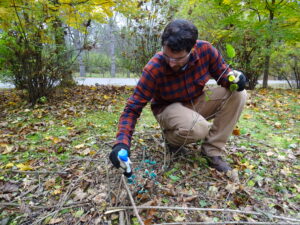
(180,35)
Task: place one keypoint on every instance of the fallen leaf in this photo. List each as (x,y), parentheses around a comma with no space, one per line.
(233,175)
(79,146)
(236,131)
(148,221)
(249,219)
(55,220)
(55,140)
(236,217)
(251,183)
(246,165)
(190,198)
(8,165)
(282,158)
(232,188)
(169,191)
(205,218)
(174,178)
(6,148)
(247,116)
(3,124)
(212,191)
(49,183)
(79,213)
(24,167)
(285,171)
(8,187)
(79,195)
(179,218)
(85,152)
(293,146)
(277,125)
(56,192)
(99,199)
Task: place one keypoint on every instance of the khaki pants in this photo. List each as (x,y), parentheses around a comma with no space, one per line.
(187,123)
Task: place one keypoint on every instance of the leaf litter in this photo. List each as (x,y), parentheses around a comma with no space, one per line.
(54,167)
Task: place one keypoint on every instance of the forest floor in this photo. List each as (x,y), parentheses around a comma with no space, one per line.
(54,167)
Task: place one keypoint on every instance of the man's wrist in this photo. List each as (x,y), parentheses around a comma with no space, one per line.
(119,146)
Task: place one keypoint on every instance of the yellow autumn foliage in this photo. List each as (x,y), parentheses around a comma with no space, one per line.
(75,13)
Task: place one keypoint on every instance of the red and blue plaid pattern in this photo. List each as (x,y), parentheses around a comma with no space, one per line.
(160,85)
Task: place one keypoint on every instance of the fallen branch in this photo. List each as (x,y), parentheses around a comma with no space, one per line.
(107,180)
(206,209)
(37,172)
(225,222)
(28,191)
(132,201)
(74,204)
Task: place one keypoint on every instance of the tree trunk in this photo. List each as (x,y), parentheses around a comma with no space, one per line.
(266,70)
(112,48)
(80,52)
(268,45)
(60,40)
(295,68)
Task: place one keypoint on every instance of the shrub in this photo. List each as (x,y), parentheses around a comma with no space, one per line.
(32,65)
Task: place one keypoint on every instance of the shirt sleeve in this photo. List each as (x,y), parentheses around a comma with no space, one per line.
(142,94)
(218,68)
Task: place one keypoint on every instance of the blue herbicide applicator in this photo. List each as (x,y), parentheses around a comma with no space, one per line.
(125,162)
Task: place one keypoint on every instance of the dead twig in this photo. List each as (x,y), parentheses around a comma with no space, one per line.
(119,191)
(121,218)
(30,190)
(67,194)
(206,209)
(132,201)
(41,219)
(107,179)
(16,205)
(33,172)
(226,222)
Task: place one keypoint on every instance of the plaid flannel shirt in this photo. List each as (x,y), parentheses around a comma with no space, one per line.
(162,86)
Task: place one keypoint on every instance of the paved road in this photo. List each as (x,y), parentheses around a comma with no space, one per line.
(130,82)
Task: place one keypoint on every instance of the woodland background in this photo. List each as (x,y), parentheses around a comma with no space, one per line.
(45,43)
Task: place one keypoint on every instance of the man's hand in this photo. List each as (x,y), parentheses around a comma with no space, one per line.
(237,80)
(113,156)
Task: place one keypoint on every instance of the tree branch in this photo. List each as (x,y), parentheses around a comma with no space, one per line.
(257,12)
(132,201)
(207,209)
(21,26)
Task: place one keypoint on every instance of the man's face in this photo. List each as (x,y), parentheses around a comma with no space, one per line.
(175,60)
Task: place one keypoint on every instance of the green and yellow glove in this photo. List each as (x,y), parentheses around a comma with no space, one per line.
(237,80)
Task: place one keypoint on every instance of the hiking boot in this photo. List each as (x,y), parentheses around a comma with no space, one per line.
(176,150)
(218,163)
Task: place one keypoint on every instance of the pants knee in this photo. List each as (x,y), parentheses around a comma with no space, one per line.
(241,96)
(184,135)
(200,130)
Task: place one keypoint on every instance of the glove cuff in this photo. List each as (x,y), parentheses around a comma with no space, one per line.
(120,146)
(127,174)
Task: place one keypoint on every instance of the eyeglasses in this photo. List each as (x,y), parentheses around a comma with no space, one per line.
(180,59)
